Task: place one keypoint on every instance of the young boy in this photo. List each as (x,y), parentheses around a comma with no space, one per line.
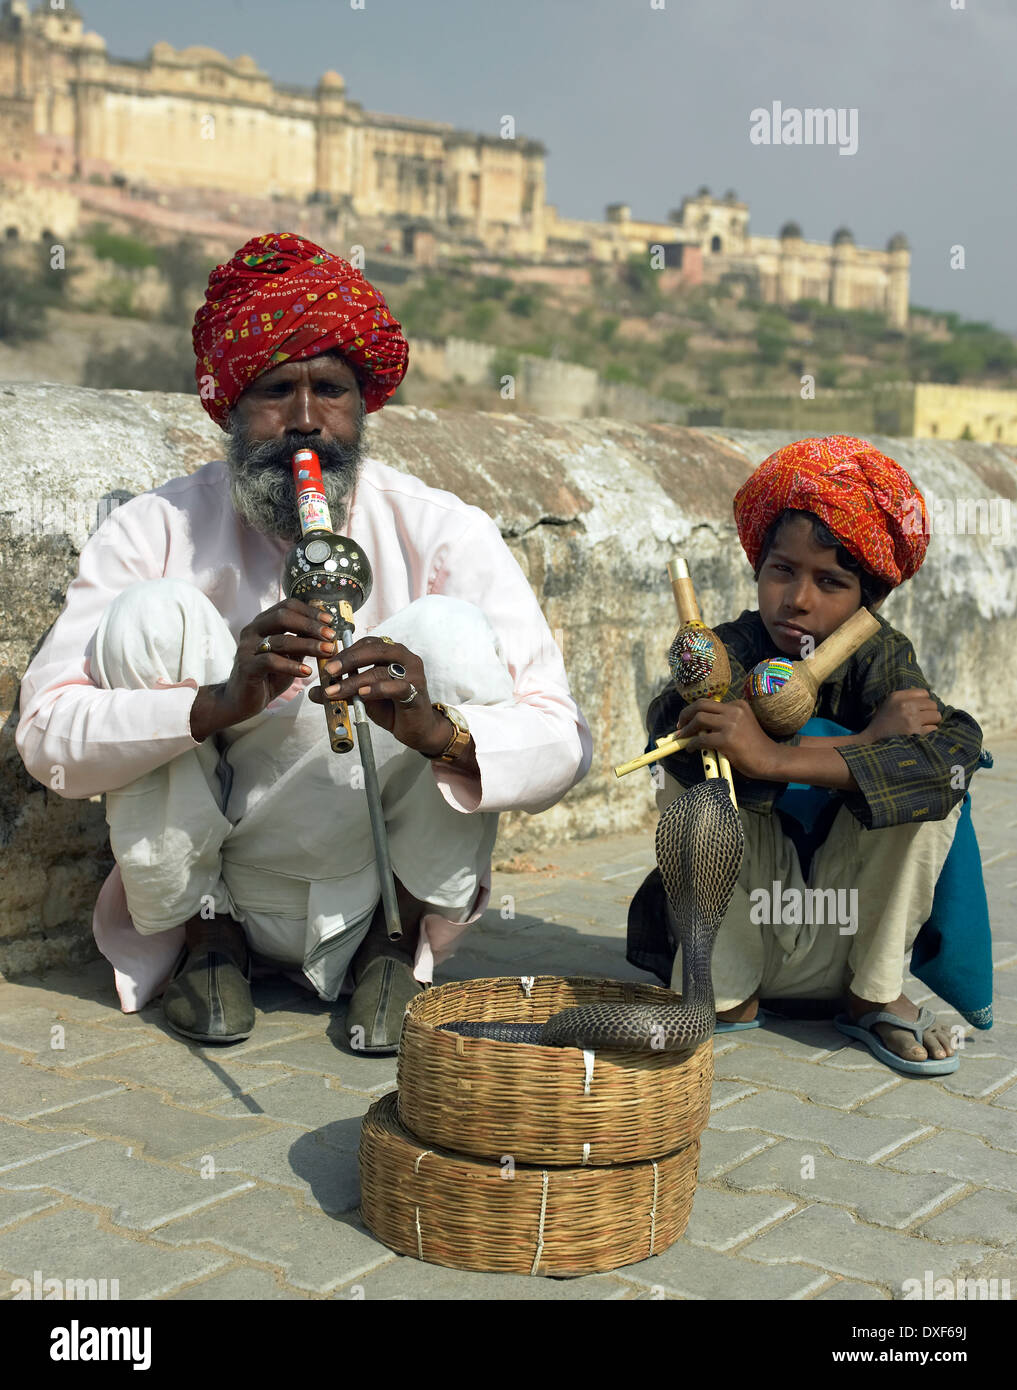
(830,525)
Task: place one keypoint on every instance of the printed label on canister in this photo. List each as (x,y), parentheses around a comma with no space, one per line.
(314,514)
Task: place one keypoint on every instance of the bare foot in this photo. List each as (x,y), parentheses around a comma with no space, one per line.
(741,1013)
(937,1039)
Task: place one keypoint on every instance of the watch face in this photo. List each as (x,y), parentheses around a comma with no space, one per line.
(456,718)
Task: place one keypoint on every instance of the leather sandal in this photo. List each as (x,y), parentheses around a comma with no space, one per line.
(208,998)
(384,986)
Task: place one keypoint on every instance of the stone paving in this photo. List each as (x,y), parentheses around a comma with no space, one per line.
(227,1173)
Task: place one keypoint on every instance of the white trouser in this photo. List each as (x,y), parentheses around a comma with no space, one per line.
(879,886)
(264,822)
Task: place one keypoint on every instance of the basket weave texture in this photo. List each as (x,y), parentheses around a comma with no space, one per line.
(470,1213)
(549,1106)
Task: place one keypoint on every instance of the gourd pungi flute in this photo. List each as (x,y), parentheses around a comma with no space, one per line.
(332,573)
(701,671)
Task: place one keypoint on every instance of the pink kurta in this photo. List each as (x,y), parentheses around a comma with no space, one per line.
(420,540)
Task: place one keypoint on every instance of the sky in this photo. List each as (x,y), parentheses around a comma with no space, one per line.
(644,101)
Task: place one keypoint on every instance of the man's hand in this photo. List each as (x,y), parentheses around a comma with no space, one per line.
(732,728)
(364,668)
(294,630)
(904,712)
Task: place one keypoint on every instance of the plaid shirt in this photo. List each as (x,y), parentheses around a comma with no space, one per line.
(906,778)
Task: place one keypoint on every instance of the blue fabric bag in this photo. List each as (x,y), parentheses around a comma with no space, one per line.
(952,953)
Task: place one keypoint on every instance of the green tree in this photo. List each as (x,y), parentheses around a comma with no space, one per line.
(772,337)
(126,251)
(185,268)
(523,305)
(28,289)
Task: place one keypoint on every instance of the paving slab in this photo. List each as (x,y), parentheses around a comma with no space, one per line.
(979,1076)
(982,1216)
(321,1165)
(314,1251)
(875,1193)
(27,1091)
(722,1219)
(55,1041)
(137,1194)
(70,1244)
(851,1136)
(240,1283)
(836,1241)
(849,1290)
(927,1103)
(161,1130)
(404,1279)
(189,1075)
(320,1055)
(721,1149)
(843,1089)
(694,1272)
(302,1099)
(16,1206)
(19,1144)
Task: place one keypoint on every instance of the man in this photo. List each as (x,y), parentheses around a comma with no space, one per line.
(176,680)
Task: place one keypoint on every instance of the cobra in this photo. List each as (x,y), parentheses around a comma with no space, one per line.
(699,847)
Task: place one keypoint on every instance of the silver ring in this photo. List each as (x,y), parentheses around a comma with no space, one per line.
(414,692)
(397,672)
(264,646)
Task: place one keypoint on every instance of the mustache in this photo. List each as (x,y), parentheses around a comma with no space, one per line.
(261,478)
(333,454)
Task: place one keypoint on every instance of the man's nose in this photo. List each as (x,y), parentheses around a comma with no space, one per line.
(305,411)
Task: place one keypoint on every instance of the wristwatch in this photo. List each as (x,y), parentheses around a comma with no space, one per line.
(460,735)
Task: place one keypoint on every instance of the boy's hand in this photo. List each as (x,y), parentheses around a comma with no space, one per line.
(904,712)
(732,728)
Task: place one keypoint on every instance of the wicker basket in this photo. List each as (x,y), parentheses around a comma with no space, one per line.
(548,1106)
(470,1214)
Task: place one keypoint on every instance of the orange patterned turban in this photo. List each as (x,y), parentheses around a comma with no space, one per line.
(864,497)
(283,299)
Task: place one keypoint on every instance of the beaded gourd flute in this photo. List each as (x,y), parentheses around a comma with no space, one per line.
(701,671)
(783,693)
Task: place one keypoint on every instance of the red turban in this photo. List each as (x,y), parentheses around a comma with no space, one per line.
(865,499)
(283,299)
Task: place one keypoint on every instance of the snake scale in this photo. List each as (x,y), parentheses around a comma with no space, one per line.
(699,847)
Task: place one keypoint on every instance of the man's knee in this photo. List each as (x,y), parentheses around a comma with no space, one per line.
(460,650)
(162,629)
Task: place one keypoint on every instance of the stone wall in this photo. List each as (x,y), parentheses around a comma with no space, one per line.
(592,510)
(543,385)
(926,410)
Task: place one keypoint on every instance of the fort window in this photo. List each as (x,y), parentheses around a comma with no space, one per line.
(11,233)
(715,244)
(934,427)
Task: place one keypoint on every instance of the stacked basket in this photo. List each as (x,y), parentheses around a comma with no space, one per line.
(526,1159)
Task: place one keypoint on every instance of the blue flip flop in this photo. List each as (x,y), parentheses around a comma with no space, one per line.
(761,1016)
(862,1029)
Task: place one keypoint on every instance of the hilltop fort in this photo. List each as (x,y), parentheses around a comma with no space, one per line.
(193,119)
